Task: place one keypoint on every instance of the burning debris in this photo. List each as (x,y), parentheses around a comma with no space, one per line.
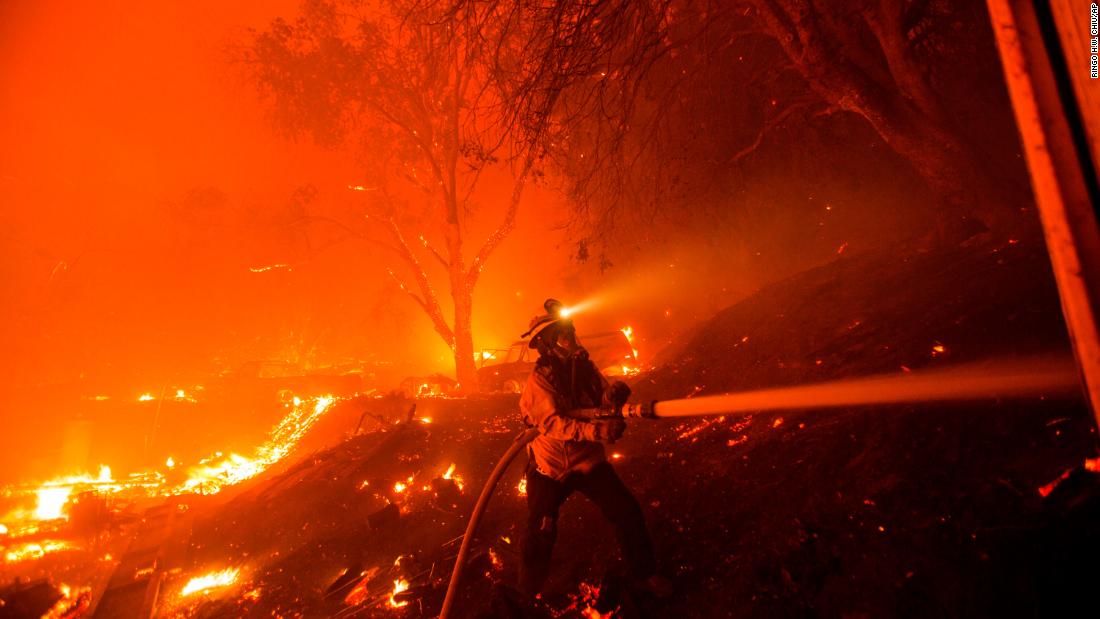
(213,580)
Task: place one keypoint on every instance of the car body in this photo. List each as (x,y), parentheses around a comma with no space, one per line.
(507,369)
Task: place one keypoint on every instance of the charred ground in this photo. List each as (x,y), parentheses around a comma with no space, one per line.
(923,510)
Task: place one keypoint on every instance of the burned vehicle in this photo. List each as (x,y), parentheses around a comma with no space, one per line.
(506,369)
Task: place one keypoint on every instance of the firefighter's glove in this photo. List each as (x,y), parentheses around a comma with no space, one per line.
(616,394)
(607,430)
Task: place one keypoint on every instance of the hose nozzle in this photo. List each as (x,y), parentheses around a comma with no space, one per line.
(641,411)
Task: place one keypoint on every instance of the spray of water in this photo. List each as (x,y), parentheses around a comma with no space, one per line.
(1030,377)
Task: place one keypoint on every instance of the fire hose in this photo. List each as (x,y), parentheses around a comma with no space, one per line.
(979,381)
(479,509)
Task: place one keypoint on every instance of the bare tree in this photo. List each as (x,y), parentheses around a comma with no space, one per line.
(423,92)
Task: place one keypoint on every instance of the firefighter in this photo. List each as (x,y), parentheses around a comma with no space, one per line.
(565,398)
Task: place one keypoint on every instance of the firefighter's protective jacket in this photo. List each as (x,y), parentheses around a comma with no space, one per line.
(559,407)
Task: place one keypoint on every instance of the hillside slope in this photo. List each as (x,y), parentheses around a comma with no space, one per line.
(915,510)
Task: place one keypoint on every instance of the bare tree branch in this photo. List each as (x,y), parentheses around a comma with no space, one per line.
(502,231)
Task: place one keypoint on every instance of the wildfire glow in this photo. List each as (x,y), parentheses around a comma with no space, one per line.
(51,502)
(213,580)
(399,586)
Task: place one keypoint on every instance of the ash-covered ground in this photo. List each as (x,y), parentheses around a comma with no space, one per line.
(875,511)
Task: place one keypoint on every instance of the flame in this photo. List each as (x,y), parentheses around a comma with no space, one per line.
(146,397)
(51,502)
(170,463)
(521,487)
(213,580)
(210,478)
(450,474)
(399,487)
(628,331)
(399,585)
(72,603)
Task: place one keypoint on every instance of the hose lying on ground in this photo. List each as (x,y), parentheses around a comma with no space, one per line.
(479,509)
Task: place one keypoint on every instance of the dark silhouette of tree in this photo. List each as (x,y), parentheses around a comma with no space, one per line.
(892,63)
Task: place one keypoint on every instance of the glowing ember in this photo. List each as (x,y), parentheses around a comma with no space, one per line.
(360,592)
(270,267)
(34,550)
(146,397)
(213,580)
(170,463)
(399,487)
(521,487)
(399,586)
(450,471)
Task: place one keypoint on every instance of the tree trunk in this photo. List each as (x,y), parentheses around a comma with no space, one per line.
(896,100)
(465,367)
(462,295)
